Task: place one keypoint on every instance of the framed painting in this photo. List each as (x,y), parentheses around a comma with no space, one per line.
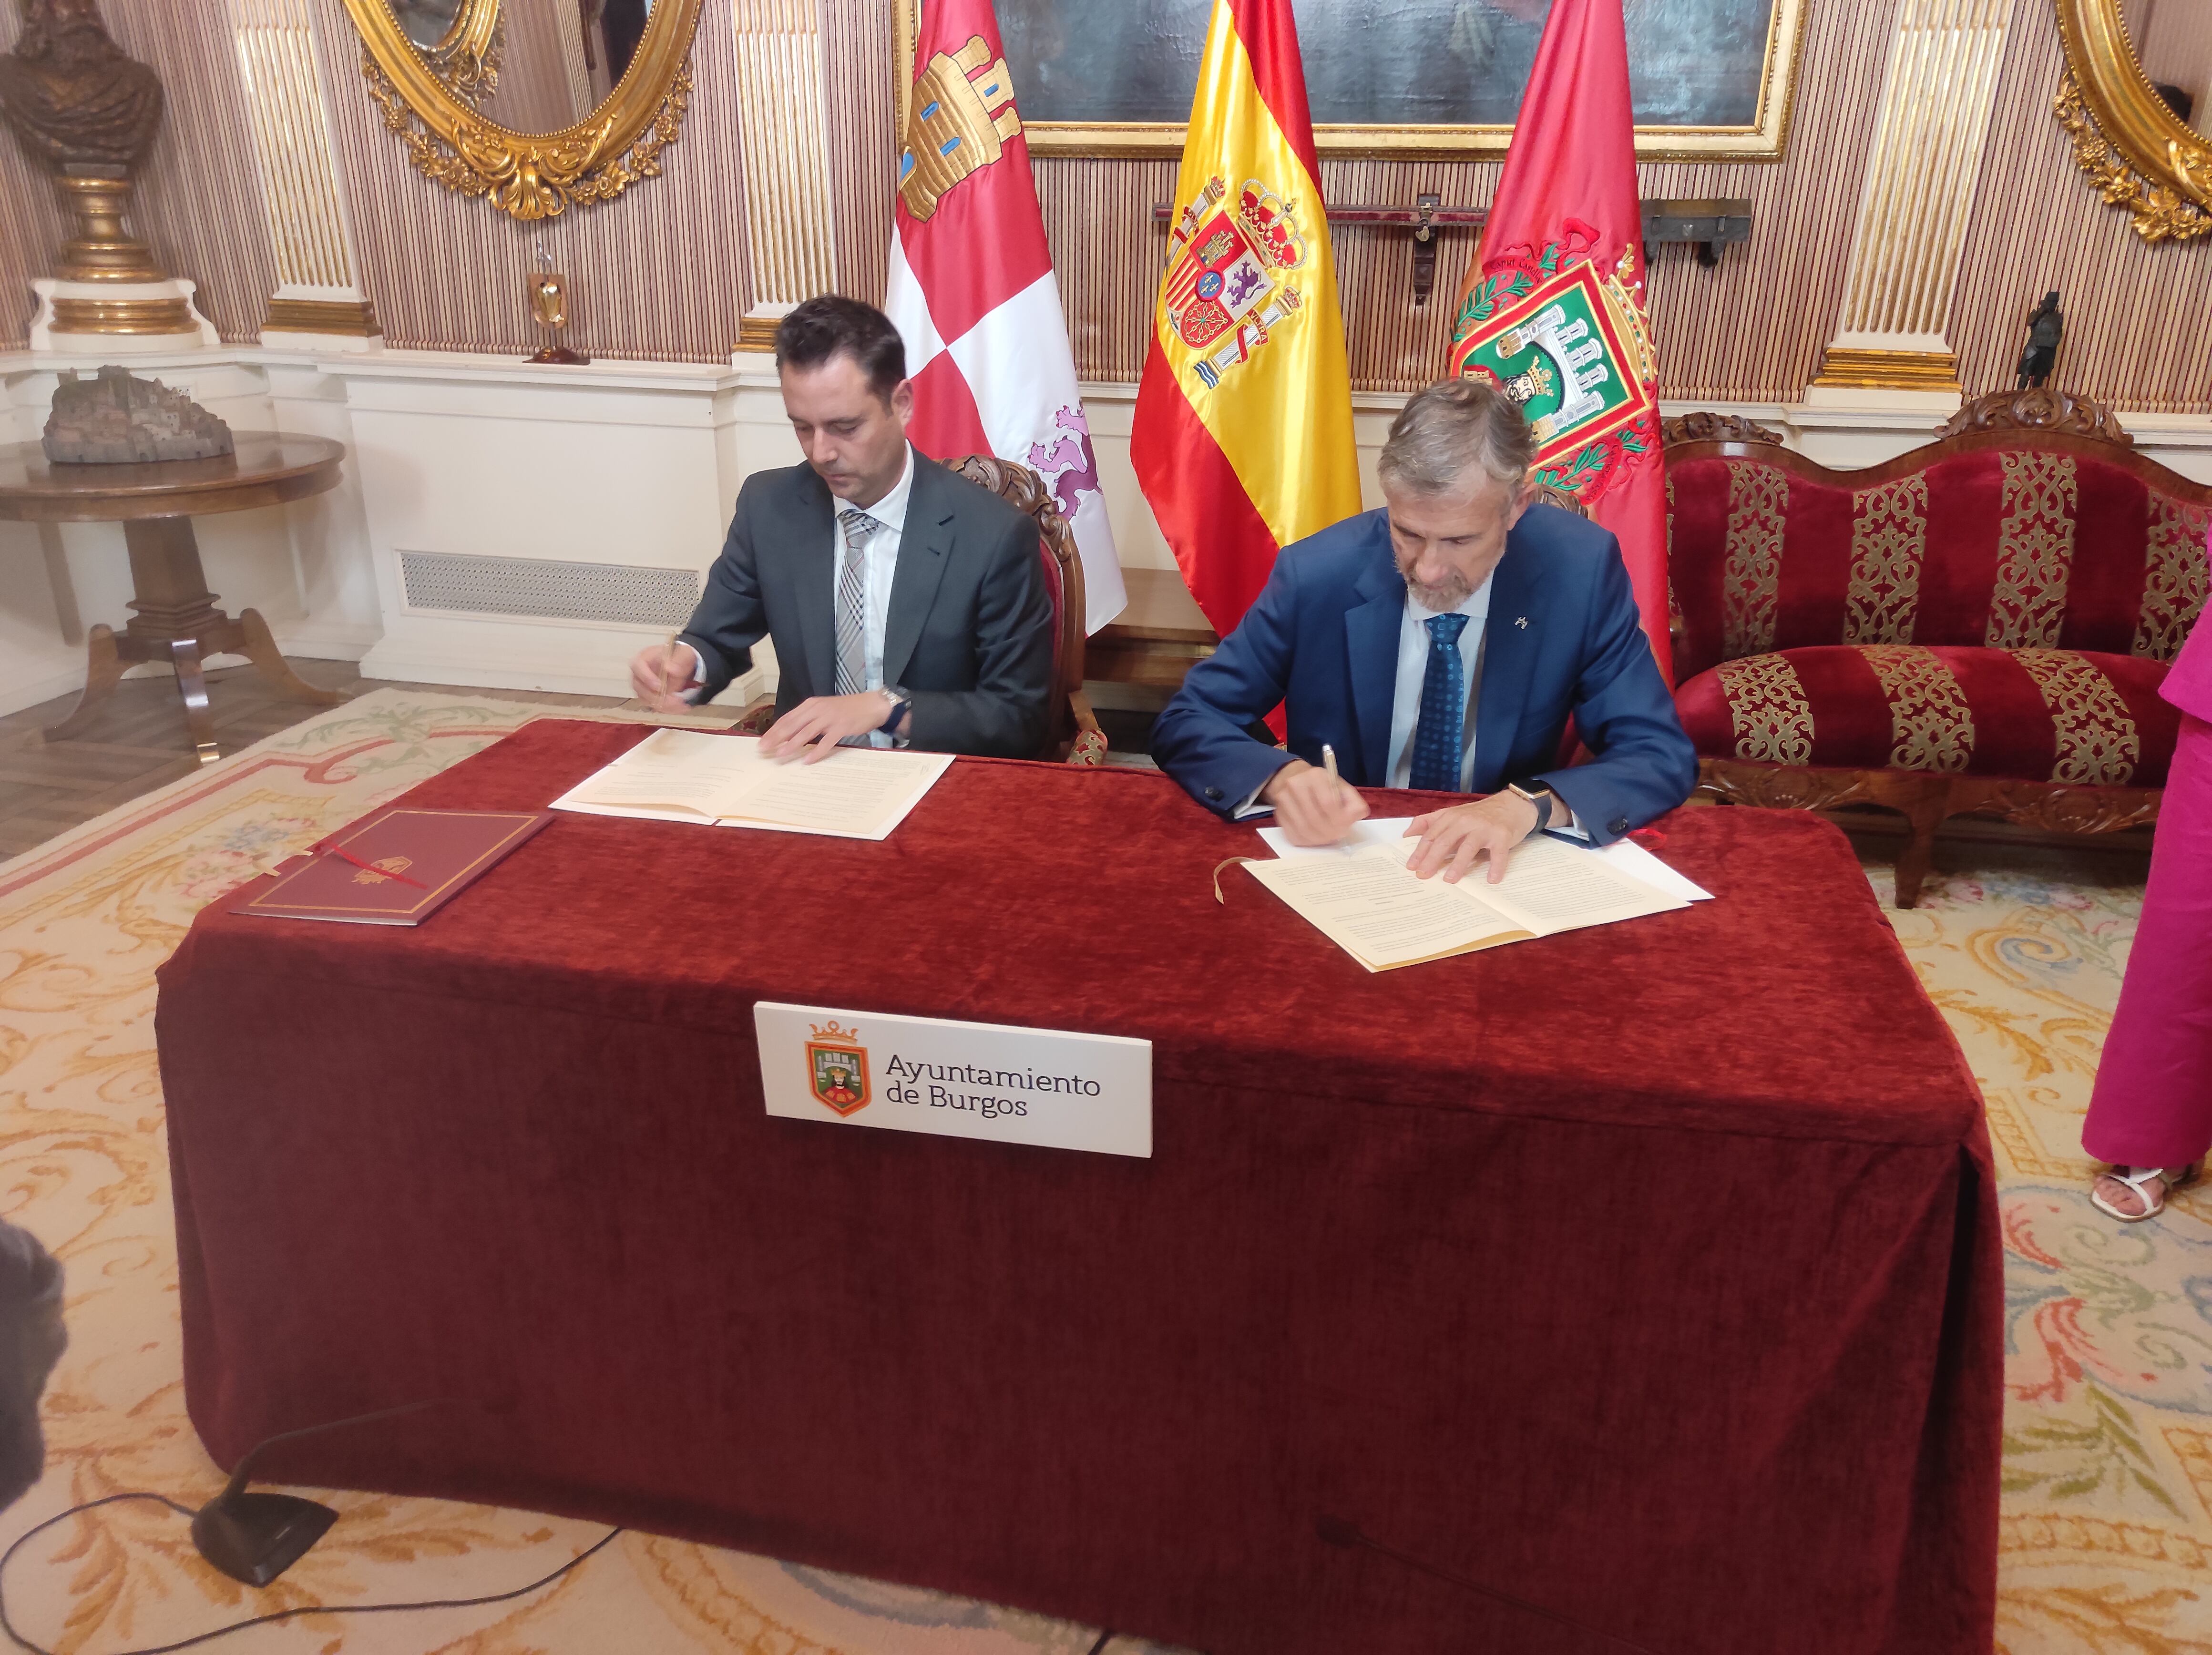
(1711,79)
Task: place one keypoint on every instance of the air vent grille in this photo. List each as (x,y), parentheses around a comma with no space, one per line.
(548,589)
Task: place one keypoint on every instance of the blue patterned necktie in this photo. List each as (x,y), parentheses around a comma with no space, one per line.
(1436,741)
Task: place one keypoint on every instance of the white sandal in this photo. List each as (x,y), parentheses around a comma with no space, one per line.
(2168,1179)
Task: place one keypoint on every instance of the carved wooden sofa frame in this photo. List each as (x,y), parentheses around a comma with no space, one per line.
(1072,734)
(2041,422)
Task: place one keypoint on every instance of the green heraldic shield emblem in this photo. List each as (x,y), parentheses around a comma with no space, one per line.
(1571,347)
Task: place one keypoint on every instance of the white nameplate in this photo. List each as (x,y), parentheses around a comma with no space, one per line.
(988,1081)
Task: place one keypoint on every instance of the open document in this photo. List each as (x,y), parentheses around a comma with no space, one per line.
(1364,899)
(686,775)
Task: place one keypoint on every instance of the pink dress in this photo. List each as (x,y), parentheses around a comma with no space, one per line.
(2153,1103)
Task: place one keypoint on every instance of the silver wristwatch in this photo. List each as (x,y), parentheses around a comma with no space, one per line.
(900,701)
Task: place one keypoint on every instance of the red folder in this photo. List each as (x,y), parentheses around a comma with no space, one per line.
(395,867)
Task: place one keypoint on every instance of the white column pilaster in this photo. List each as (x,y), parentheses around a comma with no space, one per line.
(1921,171)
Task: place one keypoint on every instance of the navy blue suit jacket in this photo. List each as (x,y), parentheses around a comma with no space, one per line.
(1324,640)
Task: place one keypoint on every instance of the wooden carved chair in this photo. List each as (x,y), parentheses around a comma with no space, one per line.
(1072,732)
(1977,626)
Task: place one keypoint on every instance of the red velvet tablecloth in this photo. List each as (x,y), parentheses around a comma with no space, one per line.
(1649,1274)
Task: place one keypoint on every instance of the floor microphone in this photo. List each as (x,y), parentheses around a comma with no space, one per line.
(255,1537)
(1342,1531)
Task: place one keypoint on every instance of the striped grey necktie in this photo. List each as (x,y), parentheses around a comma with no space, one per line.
(852,602)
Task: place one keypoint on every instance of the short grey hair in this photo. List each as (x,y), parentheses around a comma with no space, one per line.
(1446,431)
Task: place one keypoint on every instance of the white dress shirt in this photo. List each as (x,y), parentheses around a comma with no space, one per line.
(1413,646)
(882,550)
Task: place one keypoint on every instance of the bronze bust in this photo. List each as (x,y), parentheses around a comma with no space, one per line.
(76,102)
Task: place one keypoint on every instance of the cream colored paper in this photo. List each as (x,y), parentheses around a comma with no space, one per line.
(1366,901)
(686,775)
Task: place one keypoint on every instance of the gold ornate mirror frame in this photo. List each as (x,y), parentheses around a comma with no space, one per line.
(530,175)
(467,59)
(2133,148)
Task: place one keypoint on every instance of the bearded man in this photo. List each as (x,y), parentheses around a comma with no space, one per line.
(1441,643)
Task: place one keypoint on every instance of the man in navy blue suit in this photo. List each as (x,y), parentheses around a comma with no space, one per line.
(1442,644)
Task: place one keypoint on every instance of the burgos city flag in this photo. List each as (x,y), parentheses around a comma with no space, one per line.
(1553,312)
(1243,441)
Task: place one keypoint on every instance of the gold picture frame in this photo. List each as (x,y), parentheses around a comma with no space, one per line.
(1764,139)
(524,174)
(2136,151)
(467,59)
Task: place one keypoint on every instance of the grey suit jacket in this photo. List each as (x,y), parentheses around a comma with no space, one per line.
(968,634)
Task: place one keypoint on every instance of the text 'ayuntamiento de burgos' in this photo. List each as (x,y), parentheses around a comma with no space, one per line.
(931,1084)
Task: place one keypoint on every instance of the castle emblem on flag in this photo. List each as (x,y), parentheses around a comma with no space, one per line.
(837,1068)
(963,116)
(1225,270)
(1571,347)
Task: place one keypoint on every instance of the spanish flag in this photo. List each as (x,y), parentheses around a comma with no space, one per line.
(1243,441)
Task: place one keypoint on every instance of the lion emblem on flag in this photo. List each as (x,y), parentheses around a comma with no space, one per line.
(1225,271)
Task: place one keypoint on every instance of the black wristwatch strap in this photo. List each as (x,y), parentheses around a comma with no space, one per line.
(1541,798)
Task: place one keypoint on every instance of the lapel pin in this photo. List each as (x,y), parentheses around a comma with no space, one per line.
(1522,622)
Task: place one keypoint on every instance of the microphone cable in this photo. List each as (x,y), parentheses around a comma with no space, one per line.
(237,1482)
(29,1535)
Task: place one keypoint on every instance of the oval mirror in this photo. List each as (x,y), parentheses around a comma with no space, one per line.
(532,104)
(2137,101)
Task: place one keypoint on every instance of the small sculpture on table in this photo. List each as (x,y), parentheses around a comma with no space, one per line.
(115,418)
(548,303)
(2046,329)
(87,113)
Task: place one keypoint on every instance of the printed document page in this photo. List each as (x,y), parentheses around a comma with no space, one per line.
(1364,899)
(1626,854)
(684,775)
(1368,905)
(1549,886)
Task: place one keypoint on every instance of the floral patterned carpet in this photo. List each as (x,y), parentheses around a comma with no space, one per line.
(2108,1519)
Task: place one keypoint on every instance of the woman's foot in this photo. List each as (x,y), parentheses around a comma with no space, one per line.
(2132,1194)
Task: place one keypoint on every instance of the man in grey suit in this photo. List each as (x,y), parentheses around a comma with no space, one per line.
(907,605)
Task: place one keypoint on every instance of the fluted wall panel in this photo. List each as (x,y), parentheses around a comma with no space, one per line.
(2138,317)
(781,89)
(291,131)
(863,140)
(660,275)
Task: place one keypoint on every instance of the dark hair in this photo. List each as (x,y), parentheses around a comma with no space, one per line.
(832,325)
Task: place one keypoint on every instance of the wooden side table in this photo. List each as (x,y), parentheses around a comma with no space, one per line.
(1159,637)
(174,615)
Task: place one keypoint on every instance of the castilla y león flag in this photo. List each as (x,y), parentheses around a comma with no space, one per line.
(1242,439)
(972,290)
(1553,311)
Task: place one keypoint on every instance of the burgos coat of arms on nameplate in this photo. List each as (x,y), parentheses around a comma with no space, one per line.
(1226,273)
(837,1066)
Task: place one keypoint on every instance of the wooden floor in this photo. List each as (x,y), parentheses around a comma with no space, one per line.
(139,742)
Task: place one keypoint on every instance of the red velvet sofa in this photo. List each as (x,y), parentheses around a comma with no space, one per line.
(1980,625)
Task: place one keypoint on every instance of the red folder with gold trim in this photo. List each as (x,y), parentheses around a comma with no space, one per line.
(396,868)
